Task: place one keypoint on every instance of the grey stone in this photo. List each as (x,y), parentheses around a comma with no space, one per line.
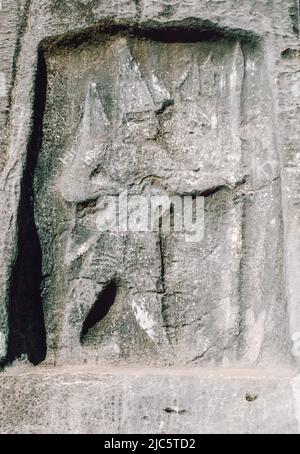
(151,97)
(130,401)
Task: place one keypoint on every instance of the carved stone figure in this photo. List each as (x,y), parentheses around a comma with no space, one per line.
(149,201)
(149,118)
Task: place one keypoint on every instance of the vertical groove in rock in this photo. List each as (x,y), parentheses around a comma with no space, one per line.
(25,312)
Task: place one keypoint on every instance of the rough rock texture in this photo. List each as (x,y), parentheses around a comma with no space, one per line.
(13,15)
(130,401)
(182,98)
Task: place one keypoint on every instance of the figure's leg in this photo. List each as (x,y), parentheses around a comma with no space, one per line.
(86,303)
(144,274)
(201,302)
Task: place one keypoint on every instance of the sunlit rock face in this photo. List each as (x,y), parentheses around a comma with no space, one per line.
(150,207)
(138,117)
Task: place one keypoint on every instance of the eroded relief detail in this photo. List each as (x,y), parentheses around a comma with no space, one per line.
(150,118)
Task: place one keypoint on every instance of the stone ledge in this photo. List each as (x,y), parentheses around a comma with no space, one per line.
(160,401)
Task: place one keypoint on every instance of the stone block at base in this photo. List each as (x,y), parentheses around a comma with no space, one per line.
(158,401)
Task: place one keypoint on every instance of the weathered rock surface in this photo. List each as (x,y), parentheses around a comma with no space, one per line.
(154,97)
(130,401)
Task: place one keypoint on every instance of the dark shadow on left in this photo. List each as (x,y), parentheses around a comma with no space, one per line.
(27,333)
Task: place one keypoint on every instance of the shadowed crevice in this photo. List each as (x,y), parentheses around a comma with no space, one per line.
(188,30)
(27,334)
(100,309)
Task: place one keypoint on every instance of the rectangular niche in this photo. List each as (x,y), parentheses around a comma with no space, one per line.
(159,116)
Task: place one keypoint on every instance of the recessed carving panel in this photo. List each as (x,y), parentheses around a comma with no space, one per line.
(130,114)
